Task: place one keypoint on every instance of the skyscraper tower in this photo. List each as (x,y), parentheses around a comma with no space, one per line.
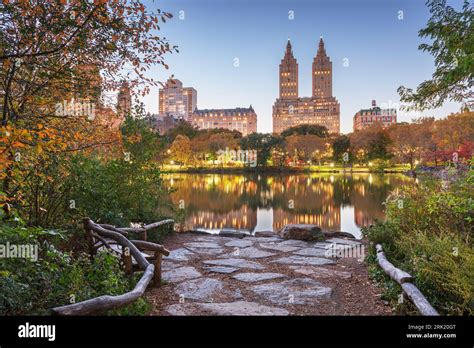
(288,74)
(322,73)
(124,100)
(290,110)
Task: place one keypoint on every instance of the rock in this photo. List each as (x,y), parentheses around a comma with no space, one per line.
(248,253)
(239,263)
(237,294)
(199,231)
(181,254)
(232,233)
(179,274)
(279,247)
(296,243)
(182,309)
(265,234)
(256,277)
(202,289)
(264,239)
(167,265)
(304,260)
(338,234)
(239,243)
(206,239)
(205,251)
(242,308)
(295,291)
(302,232)
(238,308)
(221,269)
(311,252)
(344,241)
(320,272)
(205,245)
(322,245)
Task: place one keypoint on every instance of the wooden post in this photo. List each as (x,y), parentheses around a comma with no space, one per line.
(404,280)
(89,238)
(157,275)
(127,260)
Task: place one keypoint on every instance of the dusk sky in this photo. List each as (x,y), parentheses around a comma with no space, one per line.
(381,51)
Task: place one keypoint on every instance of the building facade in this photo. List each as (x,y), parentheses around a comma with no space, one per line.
(322,108)
(243,120)
(124,100)
(176,100)
(367,117)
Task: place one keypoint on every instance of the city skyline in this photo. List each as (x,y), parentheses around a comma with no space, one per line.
(230,52)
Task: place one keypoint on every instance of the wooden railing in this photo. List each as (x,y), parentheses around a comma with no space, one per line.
(404,280)
(133,253)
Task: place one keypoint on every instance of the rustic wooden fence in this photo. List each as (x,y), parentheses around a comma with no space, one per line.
(404,280)
(138,255)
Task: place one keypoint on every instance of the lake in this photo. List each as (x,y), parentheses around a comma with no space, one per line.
(263,202)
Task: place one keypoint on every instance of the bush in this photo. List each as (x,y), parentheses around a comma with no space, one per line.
(428,233)
(57,278)
(117,192)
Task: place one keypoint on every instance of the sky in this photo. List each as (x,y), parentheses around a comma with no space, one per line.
(373,45)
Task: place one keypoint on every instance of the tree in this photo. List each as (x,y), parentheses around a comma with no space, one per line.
(182,128)
(306,129)
(263,144)
(304,146)
(340,146)
(450,133)
(139,142)
(452,46)
(370,143)
(180,149)
(405,144)
(54,53)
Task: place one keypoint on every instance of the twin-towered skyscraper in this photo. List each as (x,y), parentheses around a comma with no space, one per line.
(320,109)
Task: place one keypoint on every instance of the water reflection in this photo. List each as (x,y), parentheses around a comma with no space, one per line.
(336,202)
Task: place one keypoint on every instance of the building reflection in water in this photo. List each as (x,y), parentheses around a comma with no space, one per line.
(213,201)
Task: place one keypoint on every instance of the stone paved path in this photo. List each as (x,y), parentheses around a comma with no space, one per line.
(215,275)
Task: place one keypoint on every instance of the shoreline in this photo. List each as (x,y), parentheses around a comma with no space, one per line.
(273,170)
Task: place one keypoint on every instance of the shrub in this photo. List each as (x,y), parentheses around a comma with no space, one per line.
(429,235)
(56,277)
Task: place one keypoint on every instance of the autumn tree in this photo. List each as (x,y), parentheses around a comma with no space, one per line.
(180,150)
(370,143)
(405,145)
(54,53)
(451,132)
(304,147)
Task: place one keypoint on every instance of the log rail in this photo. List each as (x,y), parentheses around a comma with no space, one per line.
(103,235)
(404,280)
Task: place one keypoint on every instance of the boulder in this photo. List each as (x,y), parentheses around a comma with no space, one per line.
(265,234)
(338,234)
(302,232)
(232,233)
